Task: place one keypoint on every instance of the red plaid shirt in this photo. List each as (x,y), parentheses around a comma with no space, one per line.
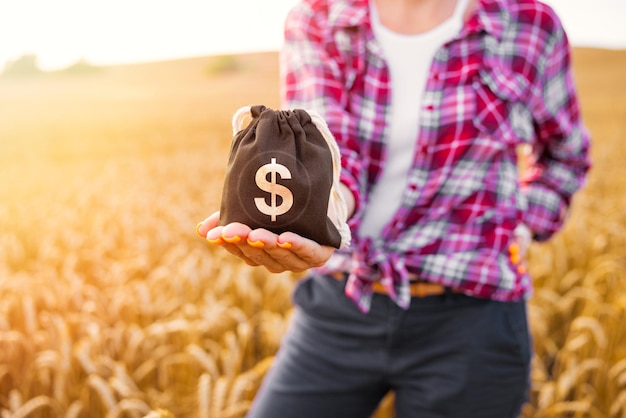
(504,81)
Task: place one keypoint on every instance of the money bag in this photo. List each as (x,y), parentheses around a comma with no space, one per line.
(282,175)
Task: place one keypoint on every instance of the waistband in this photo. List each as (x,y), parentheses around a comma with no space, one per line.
(418,288)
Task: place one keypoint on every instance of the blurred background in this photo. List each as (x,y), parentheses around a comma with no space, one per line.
(114,136)
(62,32)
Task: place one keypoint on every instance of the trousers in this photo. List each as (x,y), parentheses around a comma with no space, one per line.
(448,355)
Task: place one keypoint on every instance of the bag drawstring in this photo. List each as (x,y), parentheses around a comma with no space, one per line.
(240,115)
(336,198)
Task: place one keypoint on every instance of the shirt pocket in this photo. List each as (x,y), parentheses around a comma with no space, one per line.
(497,89)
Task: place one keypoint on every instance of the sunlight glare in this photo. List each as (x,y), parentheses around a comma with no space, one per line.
(116,31)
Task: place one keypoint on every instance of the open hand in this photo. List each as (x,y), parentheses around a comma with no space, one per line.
(260,247)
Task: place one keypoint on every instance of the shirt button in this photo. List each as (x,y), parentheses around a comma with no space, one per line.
(429,107)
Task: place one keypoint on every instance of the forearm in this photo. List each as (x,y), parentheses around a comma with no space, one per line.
(349,198)
(559,163)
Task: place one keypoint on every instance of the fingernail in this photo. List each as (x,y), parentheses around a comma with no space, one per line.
(515,258)
(514,248)
(218,241)
(521,269)
(256,244)
(232,240)
(198,229)
(285,245)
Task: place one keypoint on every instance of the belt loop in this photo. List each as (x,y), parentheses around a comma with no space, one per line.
(447,295)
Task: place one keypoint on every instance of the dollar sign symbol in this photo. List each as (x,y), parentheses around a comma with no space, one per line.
(274,190)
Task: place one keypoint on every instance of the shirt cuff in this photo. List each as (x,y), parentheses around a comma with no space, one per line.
(546,211)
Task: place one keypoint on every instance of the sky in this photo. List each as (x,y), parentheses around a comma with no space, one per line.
(103,32)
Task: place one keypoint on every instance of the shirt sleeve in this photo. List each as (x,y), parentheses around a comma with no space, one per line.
(311,72)
(559,161)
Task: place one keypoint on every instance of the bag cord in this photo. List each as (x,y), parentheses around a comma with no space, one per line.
(336,198)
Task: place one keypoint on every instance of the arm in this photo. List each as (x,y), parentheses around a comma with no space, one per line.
(560,159)
(314,76)
(311,80)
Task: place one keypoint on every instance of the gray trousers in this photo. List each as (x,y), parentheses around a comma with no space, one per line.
(447,356)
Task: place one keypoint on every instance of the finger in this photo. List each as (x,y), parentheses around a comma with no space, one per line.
(261,257)
(312,253)
(257,247)
(235,233)
(236,237)
(209,223)
(274,258)
(288,260)
(262,238)
(214,236)
(277,253)
(265,248)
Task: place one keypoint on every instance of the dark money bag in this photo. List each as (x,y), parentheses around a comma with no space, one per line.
(282,175)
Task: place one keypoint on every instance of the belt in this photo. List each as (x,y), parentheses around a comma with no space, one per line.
(417,288)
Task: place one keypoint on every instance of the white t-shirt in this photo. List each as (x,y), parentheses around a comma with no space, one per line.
(409,58)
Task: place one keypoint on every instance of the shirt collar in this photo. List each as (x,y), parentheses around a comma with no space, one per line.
(489,16)
(348,13)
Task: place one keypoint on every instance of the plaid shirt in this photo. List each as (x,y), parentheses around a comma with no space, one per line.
(505,81)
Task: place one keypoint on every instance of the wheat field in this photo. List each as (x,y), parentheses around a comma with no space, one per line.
(111,306)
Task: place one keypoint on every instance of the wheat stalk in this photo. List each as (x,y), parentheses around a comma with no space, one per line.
(207,361)
(32,405)
(204,396)
(218,397)
(103,389)
(136,407)
(74,410)
(618,406)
